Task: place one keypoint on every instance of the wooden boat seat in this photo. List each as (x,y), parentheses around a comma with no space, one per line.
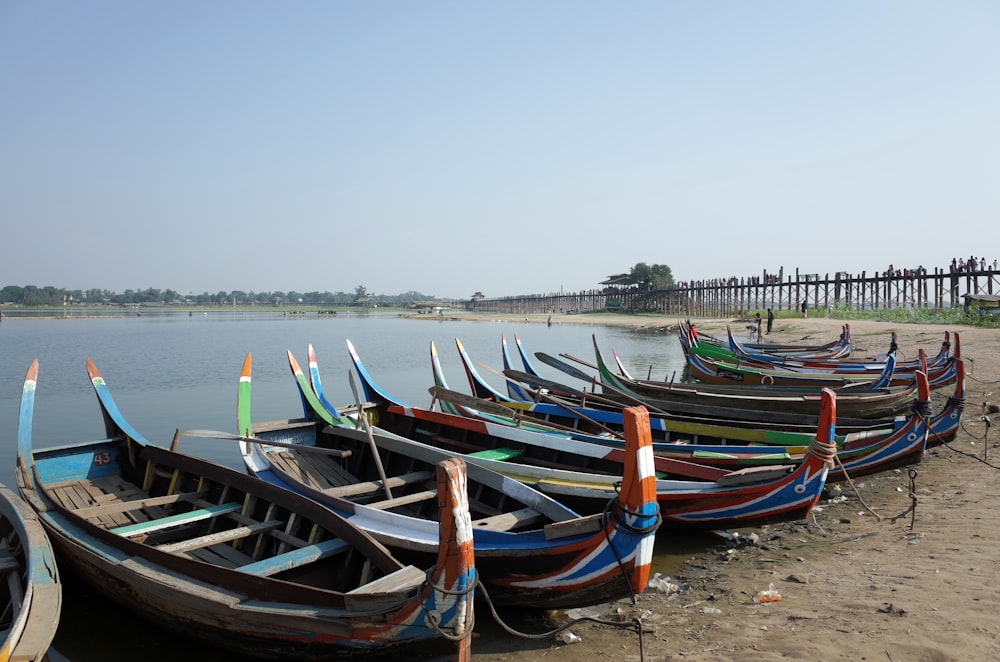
(404,500)
(227,535)
(501,454)
(119,506)
(367,487)
(287,424)
(509,521)
(319,471)
(295,558)
(404,578)
(176,520)
(111,501)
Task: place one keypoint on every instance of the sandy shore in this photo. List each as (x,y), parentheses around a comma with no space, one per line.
(854,583)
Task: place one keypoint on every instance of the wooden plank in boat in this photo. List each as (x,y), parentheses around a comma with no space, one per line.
(324,471)
(75,496)
(219,537)
(509,521)
(175,520)
(287,424)
(370,486)
(501,454)
(9,562)
(108,489)
(137,504)
(117,486)
(216,556)
(319,471)
(289,463)
(69,496)
(573,527)
(295,558)
(98,493)
(402,579)
(404,500)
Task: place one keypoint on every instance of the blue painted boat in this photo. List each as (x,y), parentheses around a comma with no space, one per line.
(219,556)
(30,590)
(531,550)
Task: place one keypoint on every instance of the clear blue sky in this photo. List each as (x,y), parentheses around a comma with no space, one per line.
(508,147)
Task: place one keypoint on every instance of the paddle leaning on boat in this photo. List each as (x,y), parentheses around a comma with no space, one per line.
(231,561)
(531,550)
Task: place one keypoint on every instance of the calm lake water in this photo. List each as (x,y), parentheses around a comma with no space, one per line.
(172,370)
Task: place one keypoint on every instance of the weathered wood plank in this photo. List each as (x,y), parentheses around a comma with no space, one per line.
(404,500)
(219,537)
(510,520)
(137,504)
(370,486)
(402,579)
(176,520)
(295,558)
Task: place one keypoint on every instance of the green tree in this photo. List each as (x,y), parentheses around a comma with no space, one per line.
(651,277)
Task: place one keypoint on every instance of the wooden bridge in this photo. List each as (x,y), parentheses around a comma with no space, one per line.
(918,288)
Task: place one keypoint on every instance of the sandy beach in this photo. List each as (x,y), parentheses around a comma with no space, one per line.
(861,579)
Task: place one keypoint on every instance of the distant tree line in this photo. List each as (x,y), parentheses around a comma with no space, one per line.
(34,296)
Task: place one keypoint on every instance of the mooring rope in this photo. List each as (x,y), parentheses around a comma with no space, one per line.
(854,487)
(985,419)
(826,452)
(636,622)
(434,619)
(610,509)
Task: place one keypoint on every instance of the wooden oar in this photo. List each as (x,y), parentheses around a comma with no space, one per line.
(565,367)
(213,434)
(500,410)
(630,399)
(371,437)
(472,402)
(562,404)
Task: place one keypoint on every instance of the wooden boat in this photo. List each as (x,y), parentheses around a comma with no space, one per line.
(570,469)
(721,372)
(841,347)
(712,364)
(30,593)
(726,446)
(685,389)
(690,409)
(531,550)
(744,414)
(595,414)
(229,560)
(873,401)
(736,352)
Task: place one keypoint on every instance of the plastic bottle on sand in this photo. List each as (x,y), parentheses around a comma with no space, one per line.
(770,595)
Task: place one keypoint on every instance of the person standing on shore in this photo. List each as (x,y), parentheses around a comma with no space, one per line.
(803,310)
(770,320)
